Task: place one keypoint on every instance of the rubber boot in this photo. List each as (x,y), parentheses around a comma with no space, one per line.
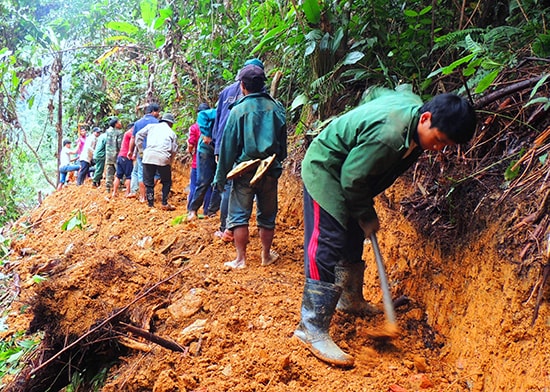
(350,278)
(318,305)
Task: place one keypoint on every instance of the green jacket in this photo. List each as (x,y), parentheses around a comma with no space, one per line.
(99,151)
(361,153)
(256,128)
(113,142)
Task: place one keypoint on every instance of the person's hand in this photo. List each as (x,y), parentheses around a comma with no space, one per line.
(369,227)
(219,186)
(190,149)
(130,156)
(207,139)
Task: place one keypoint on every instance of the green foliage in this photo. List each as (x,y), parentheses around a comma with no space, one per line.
(13,351)
(177,220)
(543,100)
(78,220)
(512,171)
(4,248)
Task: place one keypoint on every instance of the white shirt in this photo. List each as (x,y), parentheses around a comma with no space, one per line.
(161,144)
(65,156)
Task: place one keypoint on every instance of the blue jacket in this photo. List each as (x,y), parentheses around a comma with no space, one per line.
(205,120)
(228,97)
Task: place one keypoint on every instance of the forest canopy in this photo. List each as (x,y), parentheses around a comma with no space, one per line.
(69,63)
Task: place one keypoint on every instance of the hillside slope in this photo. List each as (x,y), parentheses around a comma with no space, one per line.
(466,326)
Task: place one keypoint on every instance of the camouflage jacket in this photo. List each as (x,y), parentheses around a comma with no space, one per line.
(113,141)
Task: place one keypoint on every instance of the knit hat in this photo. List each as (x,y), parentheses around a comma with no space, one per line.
(256,62)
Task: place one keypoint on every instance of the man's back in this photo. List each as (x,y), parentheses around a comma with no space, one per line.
(113,142)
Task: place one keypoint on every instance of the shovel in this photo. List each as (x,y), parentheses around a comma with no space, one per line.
(390,330)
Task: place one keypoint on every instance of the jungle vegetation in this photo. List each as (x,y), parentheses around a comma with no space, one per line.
(64,63)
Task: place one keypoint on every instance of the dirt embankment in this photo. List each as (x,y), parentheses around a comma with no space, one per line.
(465,328)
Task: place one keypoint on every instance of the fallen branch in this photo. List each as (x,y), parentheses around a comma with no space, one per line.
(169,344)
(104,322)
(495,95)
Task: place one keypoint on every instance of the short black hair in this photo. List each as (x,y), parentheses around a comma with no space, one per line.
(66,141)
(452,115)
(152,107)
(113,121)
(255,85)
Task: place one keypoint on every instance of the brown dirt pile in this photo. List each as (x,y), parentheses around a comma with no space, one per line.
(465,328)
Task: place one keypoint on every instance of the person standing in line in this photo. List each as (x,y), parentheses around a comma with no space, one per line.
(82,133)
(206,163)
(255,129)
(192,146)
(158,155)
(66,163)
(124,165)
(152,112)
(227,98)
(86,155)
(99,160)
(113,142)
(356,157)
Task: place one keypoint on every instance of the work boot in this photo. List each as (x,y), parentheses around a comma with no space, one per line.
(350,278)
(318,305)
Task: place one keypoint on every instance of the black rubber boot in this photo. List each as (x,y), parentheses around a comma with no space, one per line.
(350,278)
(318,305)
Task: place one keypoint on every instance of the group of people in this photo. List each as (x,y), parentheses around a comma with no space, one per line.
(139,156)
(354,158)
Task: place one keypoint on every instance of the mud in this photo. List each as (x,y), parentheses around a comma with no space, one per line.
(466,325)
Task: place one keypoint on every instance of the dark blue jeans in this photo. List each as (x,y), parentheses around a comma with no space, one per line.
(193,188)
(206,169)
(83,173)
(224,205)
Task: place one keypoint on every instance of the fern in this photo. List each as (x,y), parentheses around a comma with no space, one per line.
(455,37)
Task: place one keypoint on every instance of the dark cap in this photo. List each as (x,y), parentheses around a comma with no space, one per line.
(168,117)
(203,106)
(113,121)
(252,73)
(97,130)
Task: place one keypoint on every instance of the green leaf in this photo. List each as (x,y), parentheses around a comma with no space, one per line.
(148,11)
(271,34)
(486,81)
(537,86)
(177,220)
(451,67)
(38,279)
(124,27)
(300,100)
(159,41)
(410,13)
(115,38)
(312,11)
(425,10)
(353,57)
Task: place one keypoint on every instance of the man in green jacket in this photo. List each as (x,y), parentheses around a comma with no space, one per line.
(356,157)
(113,142)
(255,129)
(99,159)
